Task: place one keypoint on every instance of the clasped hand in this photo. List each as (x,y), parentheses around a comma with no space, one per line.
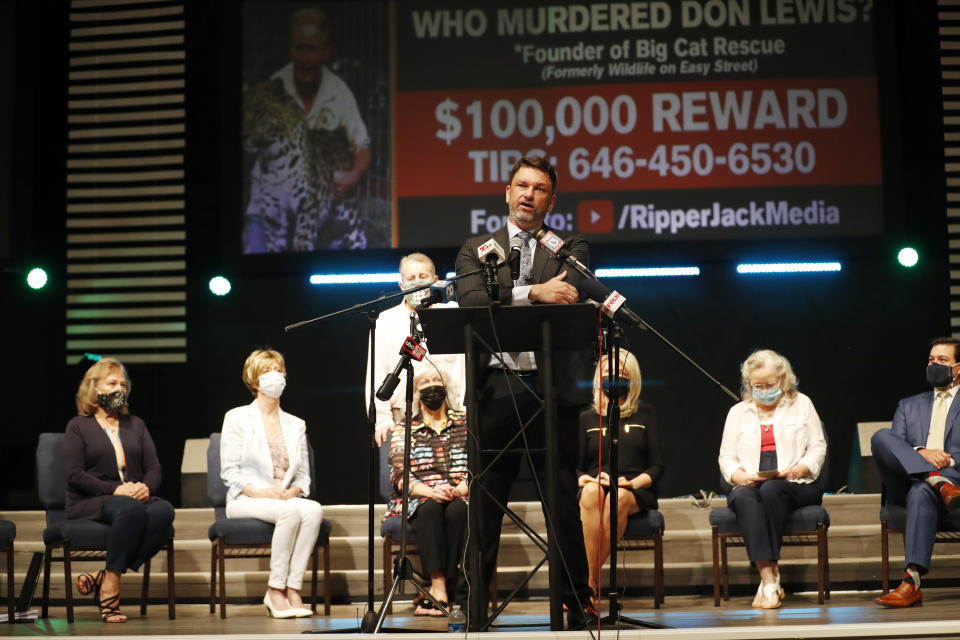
(444,493)
(604,480)
(136,490)
(937,457)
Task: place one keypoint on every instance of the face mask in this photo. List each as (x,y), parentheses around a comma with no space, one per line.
(433,396)
(619,389)
(272,383)
(113,403)
(939,375)
(767,396)
(415,298)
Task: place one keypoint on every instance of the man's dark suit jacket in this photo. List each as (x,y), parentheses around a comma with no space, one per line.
(573,370)
(91,463)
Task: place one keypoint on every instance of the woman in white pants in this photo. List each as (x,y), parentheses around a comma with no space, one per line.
(265,465)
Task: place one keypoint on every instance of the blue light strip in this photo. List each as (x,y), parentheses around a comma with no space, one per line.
(646,272)
(354,278)
(789,267)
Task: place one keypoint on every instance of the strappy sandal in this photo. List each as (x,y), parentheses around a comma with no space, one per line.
(425,608)
(87,583)
(109,608)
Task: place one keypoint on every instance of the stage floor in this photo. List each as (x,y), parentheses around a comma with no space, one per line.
(848,615)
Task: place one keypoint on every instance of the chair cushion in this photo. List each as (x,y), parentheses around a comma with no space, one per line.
(802,519)
(250,531)
(8,531)
(644,524)
(391,525)
(896,517)
(81,533)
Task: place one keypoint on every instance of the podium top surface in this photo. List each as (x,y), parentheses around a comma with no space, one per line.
(519,328)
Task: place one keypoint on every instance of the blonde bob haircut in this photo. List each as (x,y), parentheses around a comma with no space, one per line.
(628,365)
(257,363)
(787,379)
(87,391)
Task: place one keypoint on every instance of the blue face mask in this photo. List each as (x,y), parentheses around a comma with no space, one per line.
(767,396)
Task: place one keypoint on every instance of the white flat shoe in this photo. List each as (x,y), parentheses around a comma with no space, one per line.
(770,597)
(274,613)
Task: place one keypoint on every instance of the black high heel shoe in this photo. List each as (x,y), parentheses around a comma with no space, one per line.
(110,608)
(87,583)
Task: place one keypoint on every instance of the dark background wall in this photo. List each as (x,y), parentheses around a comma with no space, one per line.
(857,339)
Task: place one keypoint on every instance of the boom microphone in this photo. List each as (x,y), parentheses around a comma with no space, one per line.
(440,292)
(611,302)
(554,245)
(410,349)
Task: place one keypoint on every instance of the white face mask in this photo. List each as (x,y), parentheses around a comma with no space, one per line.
(272,383)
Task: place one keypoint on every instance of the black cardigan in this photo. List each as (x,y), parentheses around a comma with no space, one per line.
(639,444)
(91,463)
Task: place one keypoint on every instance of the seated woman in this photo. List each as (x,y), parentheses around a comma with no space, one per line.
(772,452)
(112,475)
(437,509)
(640,465)
(266,466)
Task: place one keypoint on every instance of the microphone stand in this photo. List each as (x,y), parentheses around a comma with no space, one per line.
(372,621)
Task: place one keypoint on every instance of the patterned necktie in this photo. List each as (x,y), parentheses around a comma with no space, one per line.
(526,258)
(938,421)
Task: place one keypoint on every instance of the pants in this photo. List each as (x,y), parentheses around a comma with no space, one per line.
(440,528)
(137,530)
(762,513)
(903,471)
(498,423)
(297,524)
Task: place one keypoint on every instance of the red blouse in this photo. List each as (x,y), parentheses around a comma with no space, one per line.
(767,443)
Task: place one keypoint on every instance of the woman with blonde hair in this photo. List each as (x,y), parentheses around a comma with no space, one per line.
(265,464)
(112,475)
(640,464)
(772,452)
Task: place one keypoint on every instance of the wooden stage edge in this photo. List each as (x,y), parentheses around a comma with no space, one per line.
(846,615)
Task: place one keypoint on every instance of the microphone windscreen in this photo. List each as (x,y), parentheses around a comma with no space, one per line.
(491,248)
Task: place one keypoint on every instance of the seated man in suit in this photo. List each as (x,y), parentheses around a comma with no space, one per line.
(917,460)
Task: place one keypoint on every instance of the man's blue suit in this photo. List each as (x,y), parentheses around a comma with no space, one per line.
(903,471)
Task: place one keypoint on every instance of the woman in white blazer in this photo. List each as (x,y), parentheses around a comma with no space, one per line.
(772,452)
(265,466)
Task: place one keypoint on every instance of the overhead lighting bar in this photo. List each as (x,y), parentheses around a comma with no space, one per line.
(354,278)
(789,267)
(646,272)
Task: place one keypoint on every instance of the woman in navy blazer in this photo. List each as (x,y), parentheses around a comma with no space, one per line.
(112,476)
(265,464)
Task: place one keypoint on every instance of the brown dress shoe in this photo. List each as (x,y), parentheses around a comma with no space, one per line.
(950,494)
(906,595)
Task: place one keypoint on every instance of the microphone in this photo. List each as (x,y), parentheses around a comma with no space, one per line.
(490,254)
(516,243)
(441,291)
(554,246)
(611,302)
(410,349)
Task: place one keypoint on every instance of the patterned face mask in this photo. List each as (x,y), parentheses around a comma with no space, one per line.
(113,403)
(415,298)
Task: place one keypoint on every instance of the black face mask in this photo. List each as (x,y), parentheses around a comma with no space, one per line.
(939,375)
(112,403)
(433,396)
(620,388)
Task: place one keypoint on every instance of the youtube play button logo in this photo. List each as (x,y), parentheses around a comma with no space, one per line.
(595,216)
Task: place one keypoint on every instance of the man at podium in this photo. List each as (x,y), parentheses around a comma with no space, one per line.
(541,278)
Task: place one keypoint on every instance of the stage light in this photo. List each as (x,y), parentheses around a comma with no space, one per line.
(354,278)
(219,286)
(646,272)
(908,257)
(36,278)
(789,267)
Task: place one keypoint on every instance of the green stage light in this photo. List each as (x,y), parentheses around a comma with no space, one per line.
(36,278)
(908,257)
(219,286)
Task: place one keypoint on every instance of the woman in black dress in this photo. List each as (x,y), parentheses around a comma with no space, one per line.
(640,462)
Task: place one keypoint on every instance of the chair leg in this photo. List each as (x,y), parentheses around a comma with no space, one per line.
(213,576)
(387,568)
(145,587)
(826,564)
(821,561)
(327,579)
(716,566)
(313,579)
(221,562)
(884,558)
(725,570)
(494,587)
(68,580)
(11,613)
(658,586)
(46,581)
(171,583)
